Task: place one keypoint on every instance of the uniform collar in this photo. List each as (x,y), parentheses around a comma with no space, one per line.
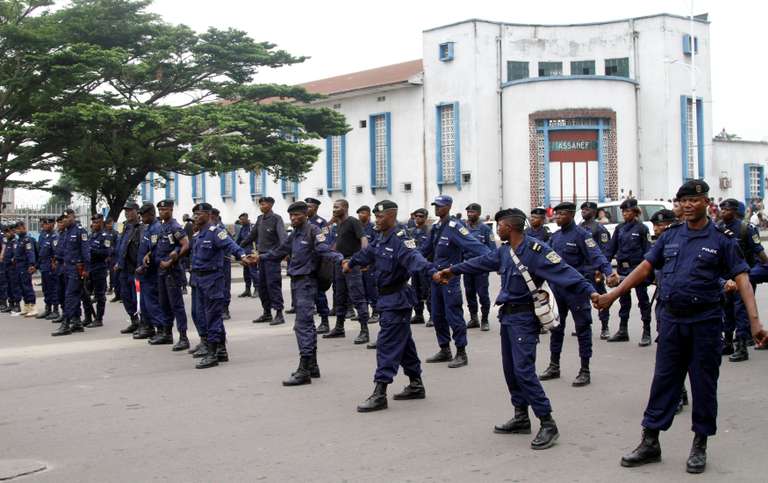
(704,232)
(568,227)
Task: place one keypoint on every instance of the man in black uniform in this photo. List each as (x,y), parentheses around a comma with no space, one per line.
(602,238)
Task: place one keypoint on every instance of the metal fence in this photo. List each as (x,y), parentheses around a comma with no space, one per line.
(31,214)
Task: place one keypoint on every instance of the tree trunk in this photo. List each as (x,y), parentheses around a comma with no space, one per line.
(94,199)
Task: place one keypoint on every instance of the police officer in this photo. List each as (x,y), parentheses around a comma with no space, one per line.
(268,234)
(519,326)
(304,245)
(322,301)
(196,310)
(172,247)
(629,243)
(216,218)
(576,246)
(153,323)
(114,238)
(101,249)
(211,253)
(126,263)
(395,257)
(748,239)
(9,257)
(421,282)
(476,286)
(76,255)
(44,265)
(602,238)
(4,307)
(449,240)
(538,229)
(692,257)
(25,260)
(57,266)
(242,234)
(369,275)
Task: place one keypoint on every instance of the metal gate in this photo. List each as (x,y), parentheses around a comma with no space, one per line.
(31,215)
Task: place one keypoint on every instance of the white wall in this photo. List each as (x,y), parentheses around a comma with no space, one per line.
(730,158)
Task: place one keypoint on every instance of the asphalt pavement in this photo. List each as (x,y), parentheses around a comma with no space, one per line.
(99,406)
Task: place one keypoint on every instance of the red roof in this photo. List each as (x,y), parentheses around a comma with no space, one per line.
(380,76)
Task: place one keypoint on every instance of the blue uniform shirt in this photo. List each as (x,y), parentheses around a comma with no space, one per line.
(25,256)
(245,230)
(148,245)
(319,222)
(129,230)
(748,239)
(629,244)
(484,235)
(45,254)
(171,234)
(449,243)
(370,232)
(541,233)
(579,250)
(101,248)
(420,235)
(692,262)
(211,246)
(599,234)
(76,248)
(10,251)
(304,245)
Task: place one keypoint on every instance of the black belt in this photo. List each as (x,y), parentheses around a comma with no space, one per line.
(390,289)
(509,308)
(689,310)
(204,272)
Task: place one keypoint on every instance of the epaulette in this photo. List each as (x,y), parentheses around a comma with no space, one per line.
(536,246)
(452,223)
(676,224)
(212,228)
(723,230)
(401,234)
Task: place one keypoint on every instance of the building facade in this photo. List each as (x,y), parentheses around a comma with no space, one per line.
(514,115)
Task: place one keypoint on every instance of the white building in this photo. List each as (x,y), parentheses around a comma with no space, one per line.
(515,115)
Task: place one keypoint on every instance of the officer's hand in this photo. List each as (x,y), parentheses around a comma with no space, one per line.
(442,276)
(140,270)
(613,280)
(602,302)
(31,270)
(730,286)
(761,337)
(166,264)
(345,266)
(146,260)
(598,276)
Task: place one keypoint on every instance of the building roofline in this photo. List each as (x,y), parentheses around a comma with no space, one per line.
(739,141)
(702,18)
(531,80)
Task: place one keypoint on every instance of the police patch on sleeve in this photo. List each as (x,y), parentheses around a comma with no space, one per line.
(222,235)
(410,244)
(153,239)
(463,230)
(590,243)
(604,237)
(29,246)
(179,235)
(320,237)
(84,236)
(756,238)
(107,243)
(553,257)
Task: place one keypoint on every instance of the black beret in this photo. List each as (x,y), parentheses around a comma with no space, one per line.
(97,217)
(131,205)
(421,211)
(298,207)
(589,204)
(694,187)
(566,206)
(18,224)
(206,207)
(384,205)
(628,204)
(539,211)
(364,208)
(509,213)
(729,203)
(473,207)
(165,204)
(60,218)
(147,208)
(313,201)
(267,199)
(46,219)
(663,216)
(215,211)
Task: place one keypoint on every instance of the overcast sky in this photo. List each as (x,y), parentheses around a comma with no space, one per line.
(347,36)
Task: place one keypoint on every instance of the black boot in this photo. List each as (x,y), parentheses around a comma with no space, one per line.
(520,424)
(182,344)
(4,308)
(551,372)
(314,368)
(374,317)
(484,325)
(371,345)
(75,325)
(418,318)
(132,327)
(265,317)
(202,351)
(645,339)
(443,355)
(331,312)
(302,375)
(622,335)
(350,315)
(97,322)
(473,322)
(547,434)
(461,358)
(604,332)
(414,390)
(54,313)
(337,331)
(740,353)
(323,328)
(362,337)
(210,359)
(279,319)
(727,344)
(45,313)
(648,451)
(246,293)
(145,331)
(225,315)
(64,329)
(376,401)
(221,352)
(196,348)
(429,322)
(291,310)
(163,336)
(697,460)
(583,379)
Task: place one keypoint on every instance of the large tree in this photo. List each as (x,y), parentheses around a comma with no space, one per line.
(185,102)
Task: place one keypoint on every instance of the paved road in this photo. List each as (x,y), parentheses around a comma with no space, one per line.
(98,407)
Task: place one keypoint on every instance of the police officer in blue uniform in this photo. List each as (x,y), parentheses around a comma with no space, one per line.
(127,262)
(152,325)
(242,234)
(602,238)
(26,264)
(748,239)
(519,325)
(196,310)
(101,249)
(421,282)
(57,266)
(114,239)
(268,234)
(216,218)
(396,259)
(172,247)
(4,307)
(693,256)
(76,255)
(211,252)
(304,246)
(538,228)
(369,275)
(44,265)
(322,301)
(476,286)
(629,243)
(576,246)
(449,241)
(9,256)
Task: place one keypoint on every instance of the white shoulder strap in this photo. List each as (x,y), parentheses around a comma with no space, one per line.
(523,271)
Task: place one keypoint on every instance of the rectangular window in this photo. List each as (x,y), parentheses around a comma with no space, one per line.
(755,182)
(290,188)
(381,152)
(228,183)
(617,67)
(171,187)
(148,189)
(198,187)
(335,156)
(550,69)
(446,51)
(517,70)
(583,67)
(691,138)
(258,183)
(448,152)
(687,45)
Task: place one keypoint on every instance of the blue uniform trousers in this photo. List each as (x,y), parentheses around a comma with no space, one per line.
(227,283)
(422,286)
(741,319)
(625,301)
(448,313)
(213,302)
(127,287)
(50,292)
(14,290)
(395,347)
(519,337)
(686,348)
(350,288)
(304,290)
(248,277)
(582,319)
(270,285)
(604,314)
(371,291)
(476,287)
(198,315)
(172,301)
(3,283)
(99,283)
(321,303)
(150,300)
(72,292)
(25,285)
(61,286)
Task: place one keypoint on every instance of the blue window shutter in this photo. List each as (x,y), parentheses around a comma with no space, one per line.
(457,144)
(167,188)
(151,188)
(282,185)
(372,146)
(252,182)
(762,182)
(388,124)
(143,187)
(700,136)
(204,184)
(684,136)
(329,163)
(222,184)
(176,186)
(344,165)
(234,185)
(193,178)
(439,144)
(263,182)
(686,44)
(747,191)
